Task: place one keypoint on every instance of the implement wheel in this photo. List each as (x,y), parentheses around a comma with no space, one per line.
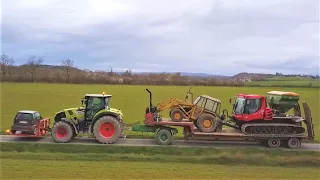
(274,142)
(164,137)
(62,132)
(176,115)
(207,123)
(107,129)
(294,143)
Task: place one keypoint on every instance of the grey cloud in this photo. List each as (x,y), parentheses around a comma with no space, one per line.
(218,37)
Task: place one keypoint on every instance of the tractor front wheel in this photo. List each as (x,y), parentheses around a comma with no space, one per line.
(62,132)
(176,115)
(207,123)
(107,129)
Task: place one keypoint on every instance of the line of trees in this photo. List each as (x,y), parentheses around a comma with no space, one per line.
(34,70)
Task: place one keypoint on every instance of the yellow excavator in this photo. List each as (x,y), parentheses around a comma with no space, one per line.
(204,111)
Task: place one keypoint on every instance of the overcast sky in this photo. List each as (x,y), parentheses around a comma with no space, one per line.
(211,36)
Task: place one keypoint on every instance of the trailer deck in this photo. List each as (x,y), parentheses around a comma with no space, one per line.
(165,129)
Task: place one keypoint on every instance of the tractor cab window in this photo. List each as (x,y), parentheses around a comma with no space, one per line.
(107,105)
(252,106)
(96,103)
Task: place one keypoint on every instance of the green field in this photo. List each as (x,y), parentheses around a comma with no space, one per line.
(132,100)
(81,169)
(46,161)
(286,82)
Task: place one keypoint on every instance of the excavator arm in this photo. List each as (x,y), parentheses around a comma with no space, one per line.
(171,102)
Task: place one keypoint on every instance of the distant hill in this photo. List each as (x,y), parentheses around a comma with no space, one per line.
(200,74)
(251,75)
(261,76)
(246,76)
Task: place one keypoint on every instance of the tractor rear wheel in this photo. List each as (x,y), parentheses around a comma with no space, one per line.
(176,115)
(107,129)
(207,123)
(62,132)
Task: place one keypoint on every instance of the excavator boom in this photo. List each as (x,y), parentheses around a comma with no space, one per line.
(170,103)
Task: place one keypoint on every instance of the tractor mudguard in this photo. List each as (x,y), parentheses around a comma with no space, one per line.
(72,123)
(103,114)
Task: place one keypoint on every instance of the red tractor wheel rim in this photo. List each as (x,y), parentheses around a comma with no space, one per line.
(62,132)
(107,130)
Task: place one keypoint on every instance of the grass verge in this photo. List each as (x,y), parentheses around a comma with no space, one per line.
(58,161)
(39,168)
(162,154)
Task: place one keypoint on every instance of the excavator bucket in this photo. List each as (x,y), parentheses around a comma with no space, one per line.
(308,120)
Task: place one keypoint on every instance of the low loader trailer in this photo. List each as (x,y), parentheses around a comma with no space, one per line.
(277,130)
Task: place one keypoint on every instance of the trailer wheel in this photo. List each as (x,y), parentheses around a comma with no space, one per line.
(207,123)
(164,137)
(176,115)
(274,142)
(62,132)
(294,143)
(107,129)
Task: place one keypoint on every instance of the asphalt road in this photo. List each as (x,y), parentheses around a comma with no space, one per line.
(151,142)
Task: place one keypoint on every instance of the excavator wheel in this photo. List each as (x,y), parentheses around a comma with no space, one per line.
(207,123)
(176,115)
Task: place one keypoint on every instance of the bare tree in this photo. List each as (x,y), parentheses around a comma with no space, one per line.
(32,64)
(68,65)
(6,65)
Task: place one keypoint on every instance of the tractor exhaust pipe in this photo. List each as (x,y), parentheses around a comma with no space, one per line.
(150,97)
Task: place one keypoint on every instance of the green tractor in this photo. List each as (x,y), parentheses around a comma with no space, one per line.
(95,116)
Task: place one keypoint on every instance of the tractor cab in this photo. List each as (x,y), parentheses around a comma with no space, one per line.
(93,103)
